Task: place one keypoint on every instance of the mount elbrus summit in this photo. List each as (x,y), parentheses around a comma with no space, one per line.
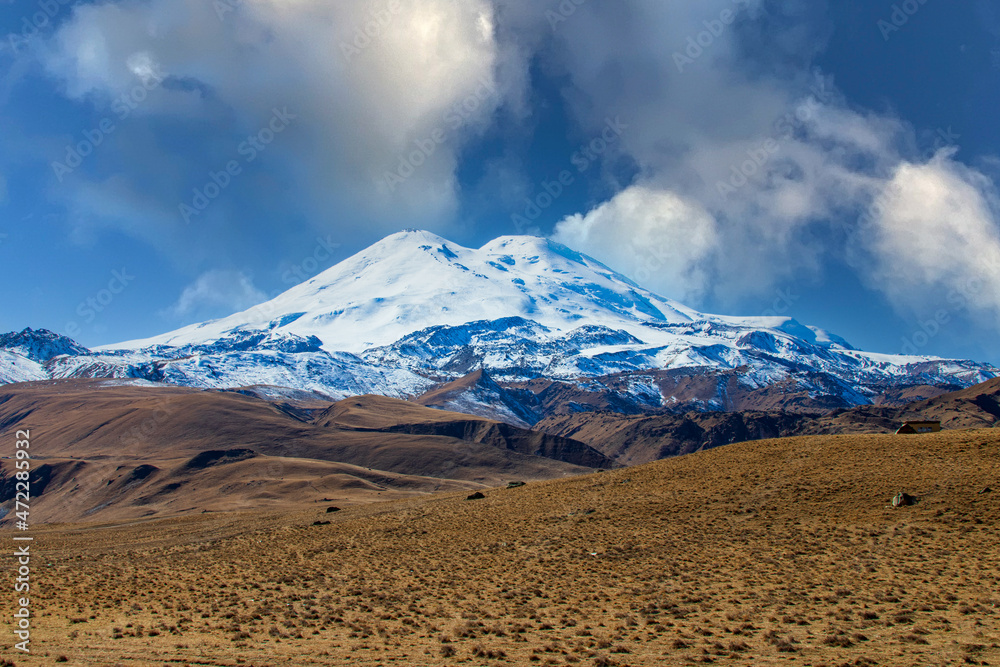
(519,330)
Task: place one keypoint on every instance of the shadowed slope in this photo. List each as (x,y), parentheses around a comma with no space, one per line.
(477,393)
(391,416)
(975,407)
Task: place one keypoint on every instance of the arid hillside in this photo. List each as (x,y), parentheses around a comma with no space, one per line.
(777,552)
(637,439)
(107,451)
(975,407)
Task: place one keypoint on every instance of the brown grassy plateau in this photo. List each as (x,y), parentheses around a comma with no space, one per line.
(779,552)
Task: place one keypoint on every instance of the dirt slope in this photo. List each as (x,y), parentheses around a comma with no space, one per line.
(391,416)
(975,407)
(636,439)
(110,452)
(776,552)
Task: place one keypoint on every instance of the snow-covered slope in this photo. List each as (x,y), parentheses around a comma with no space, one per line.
(478,394)
(40,345)
(24,354)
(414,280)
(16,368)
(415,310)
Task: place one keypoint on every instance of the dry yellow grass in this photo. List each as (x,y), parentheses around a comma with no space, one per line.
(781,552)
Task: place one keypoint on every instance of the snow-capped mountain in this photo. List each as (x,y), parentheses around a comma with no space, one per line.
(415,311)
(40,346)
(414,280)
(15,368)
(23,354)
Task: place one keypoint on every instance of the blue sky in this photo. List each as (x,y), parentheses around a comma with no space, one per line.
(835,162)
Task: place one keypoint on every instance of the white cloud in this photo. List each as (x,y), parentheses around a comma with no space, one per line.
(719,138)
(798,165)
(935,238)
(653,236)
(363,103)
(217,293)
